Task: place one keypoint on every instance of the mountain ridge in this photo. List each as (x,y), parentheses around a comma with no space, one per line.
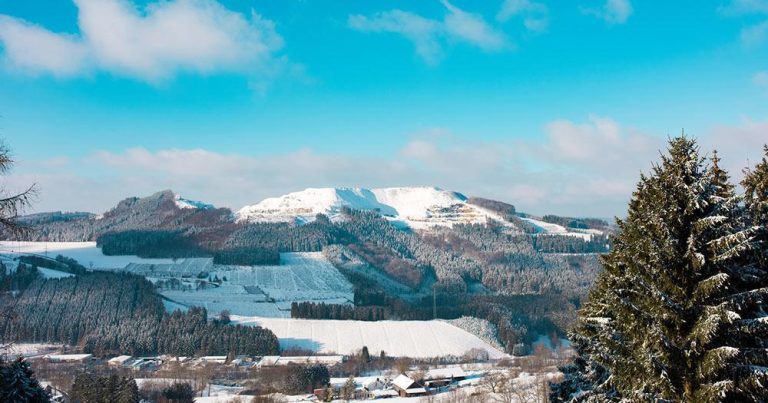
(416,207)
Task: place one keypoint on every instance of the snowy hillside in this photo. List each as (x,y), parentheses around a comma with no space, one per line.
(417,207)
(431,338)
(556,229)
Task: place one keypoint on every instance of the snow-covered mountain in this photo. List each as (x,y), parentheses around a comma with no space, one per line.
(417,207)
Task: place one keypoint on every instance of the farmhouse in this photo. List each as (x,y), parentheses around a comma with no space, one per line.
(437,377)
(407,387)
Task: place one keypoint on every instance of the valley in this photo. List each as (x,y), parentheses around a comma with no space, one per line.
(404,273)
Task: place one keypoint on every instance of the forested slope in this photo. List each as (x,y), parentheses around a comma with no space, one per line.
(121,313)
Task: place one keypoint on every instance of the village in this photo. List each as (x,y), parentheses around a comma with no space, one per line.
(240,378)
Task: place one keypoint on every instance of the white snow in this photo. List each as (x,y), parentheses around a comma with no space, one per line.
(418,339)
(30,349)
(49,273)
(268,290)
(183,203)
(556,229)
(417,207)
(86,253)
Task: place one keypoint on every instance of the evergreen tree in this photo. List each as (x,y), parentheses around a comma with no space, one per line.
(127,391)
(666,317)
(18,383)
(179,393)
(755,185)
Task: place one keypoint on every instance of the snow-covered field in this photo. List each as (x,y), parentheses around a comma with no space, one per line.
(87,253)
(30,349)
(49,273)
(270,290)
(555,229)
(396,338)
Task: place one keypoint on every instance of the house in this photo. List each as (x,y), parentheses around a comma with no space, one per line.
(407,387)
(120,361)
(374,384)
(81,358)
(438,377)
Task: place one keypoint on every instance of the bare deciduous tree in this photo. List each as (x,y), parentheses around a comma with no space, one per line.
(13,204)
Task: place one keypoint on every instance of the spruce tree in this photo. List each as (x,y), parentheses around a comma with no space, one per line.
(755,186)
(18,383)
(665,318)
(127,392)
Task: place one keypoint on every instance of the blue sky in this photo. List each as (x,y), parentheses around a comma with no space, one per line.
(555,106)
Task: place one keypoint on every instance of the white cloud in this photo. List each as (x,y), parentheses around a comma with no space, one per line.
(739,7)
(535,15)
(429,35)
(423,32)
(754,35)
(612,11)
(740,146)
(599,142)
(472,28)
(150,44)
(34,49)
(761,79)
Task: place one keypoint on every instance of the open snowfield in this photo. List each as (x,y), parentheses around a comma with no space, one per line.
(30,349)
(419,339)
(555,229)
(270,290)
(87,253)
(49,273)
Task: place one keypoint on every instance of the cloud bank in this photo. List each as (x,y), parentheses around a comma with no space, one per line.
(150,44)
(586,168)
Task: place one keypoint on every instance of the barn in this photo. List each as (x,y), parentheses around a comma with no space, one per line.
(407,387)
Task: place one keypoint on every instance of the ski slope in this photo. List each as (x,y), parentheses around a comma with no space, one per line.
(417,339)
